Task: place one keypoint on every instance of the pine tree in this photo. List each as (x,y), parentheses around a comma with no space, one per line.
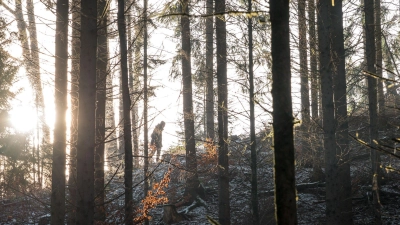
(372,102)
(285,192)
(253,141)
(343,181)
(102,73)
(75,52)
(60,128)
(223,158)
(87,110)
(192,181)
(210,130)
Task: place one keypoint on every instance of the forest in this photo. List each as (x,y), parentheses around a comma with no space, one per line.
(199,112)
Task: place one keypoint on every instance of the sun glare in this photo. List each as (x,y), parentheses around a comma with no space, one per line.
(23,118)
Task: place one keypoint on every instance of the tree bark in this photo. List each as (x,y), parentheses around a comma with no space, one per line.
(210,72)
(126,113)
(102,73)
(121,134)
(223,159)
(136,85)
(315,90)
(381,95)
(145,105)
(87,110)
(192,181)
(313,59)
(35,69)
(390,87)
(60,126)
(111,145)
(379,56)
(373,102)
(75,52)
(285,190)
(304,87)
(253,141)
(133,79)
(170,215)
(328,123)
(343,181)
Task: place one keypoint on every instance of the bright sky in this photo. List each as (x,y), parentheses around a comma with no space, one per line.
(166,106)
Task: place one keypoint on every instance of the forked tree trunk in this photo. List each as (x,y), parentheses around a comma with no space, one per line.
(60,127)
(285,190)
(87,110)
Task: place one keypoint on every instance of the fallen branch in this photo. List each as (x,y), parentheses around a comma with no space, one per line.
(373,147)
(299,187)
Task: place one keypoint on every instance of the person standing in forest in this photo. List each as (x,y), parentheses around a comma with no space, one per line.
(156,140)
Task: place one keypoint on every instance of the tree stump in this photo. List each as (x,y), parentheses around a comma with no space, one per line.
(170,215)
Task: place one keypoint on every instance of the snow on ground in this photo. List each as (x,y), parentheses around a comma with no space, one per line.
(311,204)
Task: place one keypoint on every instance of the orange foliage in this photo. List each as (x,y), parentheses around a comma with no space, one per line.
(154,197)
(211,152)
(152,149)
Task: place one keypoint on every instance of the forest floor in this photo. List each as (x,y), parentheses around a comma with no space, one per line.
(32,208)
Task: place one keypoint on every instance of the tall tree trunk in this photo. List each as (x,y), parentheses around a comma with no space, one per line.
(317,174)
(223,163)
(102,73)
(60,126)
(192,181)
(35,69)
(328,123)
(304,87)
(253,141)
(145,106)
(313,59)
(133,87)
(210,72)
(23,37)
(126,113)
(136,85)
(343,181)
(373,103)
(75,52)
(390,87)
(87,112)
(379,56)
(31,66)
(111,146)
(121,144)
(285,190)
(381,96)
